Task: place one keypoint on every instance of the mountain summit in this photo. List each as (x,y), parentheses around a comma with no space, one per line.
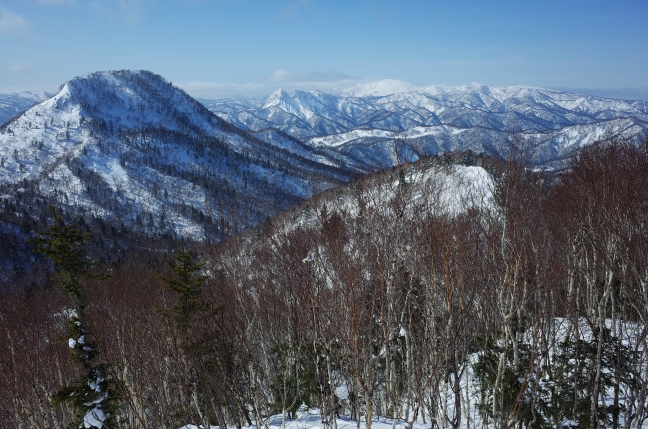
(130,148)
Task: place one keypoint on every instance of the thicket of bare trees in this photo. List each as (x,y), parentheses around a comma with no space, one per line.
(527,308)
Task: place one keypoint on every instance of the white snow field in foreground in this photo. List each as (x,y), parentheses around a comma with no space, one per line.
(311,419)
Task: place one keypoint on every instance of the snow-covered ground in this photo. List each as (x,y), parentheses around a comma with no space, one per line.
(312,419)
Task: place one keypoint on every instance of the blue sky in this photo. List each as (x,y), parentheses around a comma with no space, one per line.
(222,48)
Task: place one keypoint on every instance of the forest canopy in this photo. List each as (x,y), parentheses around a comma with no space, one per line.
(525,305)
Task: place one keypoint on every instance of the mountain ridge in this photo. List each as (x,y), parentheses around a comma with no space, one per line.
(545,118)
(133,149)
(130,147)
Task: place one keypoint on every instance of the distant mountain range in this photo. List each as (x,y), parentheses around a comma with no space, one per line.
(364,121)
(130,148)
(14,103)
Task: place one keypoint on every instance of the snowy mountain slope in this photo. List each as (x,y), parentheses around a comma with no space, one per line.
(437,118)
(14,103)
(420,190)
(131,148)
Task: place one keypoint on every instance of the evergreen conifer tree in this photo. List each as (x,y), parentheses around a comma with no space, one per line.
(91,396)
(190,316)
(188,287)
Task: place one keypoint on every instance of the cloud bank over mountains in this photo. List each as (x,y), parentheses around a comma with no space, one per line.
(281,78)
(341,83)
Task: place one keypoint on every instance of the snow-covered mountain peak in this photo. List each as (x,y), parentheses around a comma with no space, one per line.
(130,147)
(136,99)
(276,98)
(297,104)
(59,99)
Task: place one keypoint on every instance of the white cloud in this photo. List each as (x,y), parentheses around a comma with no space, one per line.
(11,23)
(281,78)
(128,11)
(222,90)
(282,75)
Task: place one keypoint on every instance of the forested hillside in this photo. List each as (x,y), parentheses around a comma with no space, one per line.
(138,159)
(135,159)
(454,295)
(129,148)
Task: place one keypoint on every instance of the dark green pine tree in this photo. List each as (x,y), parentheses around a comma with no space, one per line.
(188,287)
(91,396)
(190,317)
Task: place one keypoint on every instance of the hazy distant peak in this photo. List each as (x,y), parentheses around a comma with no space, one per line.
(437,89)
(14,103)
(28,95)
(377,89)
